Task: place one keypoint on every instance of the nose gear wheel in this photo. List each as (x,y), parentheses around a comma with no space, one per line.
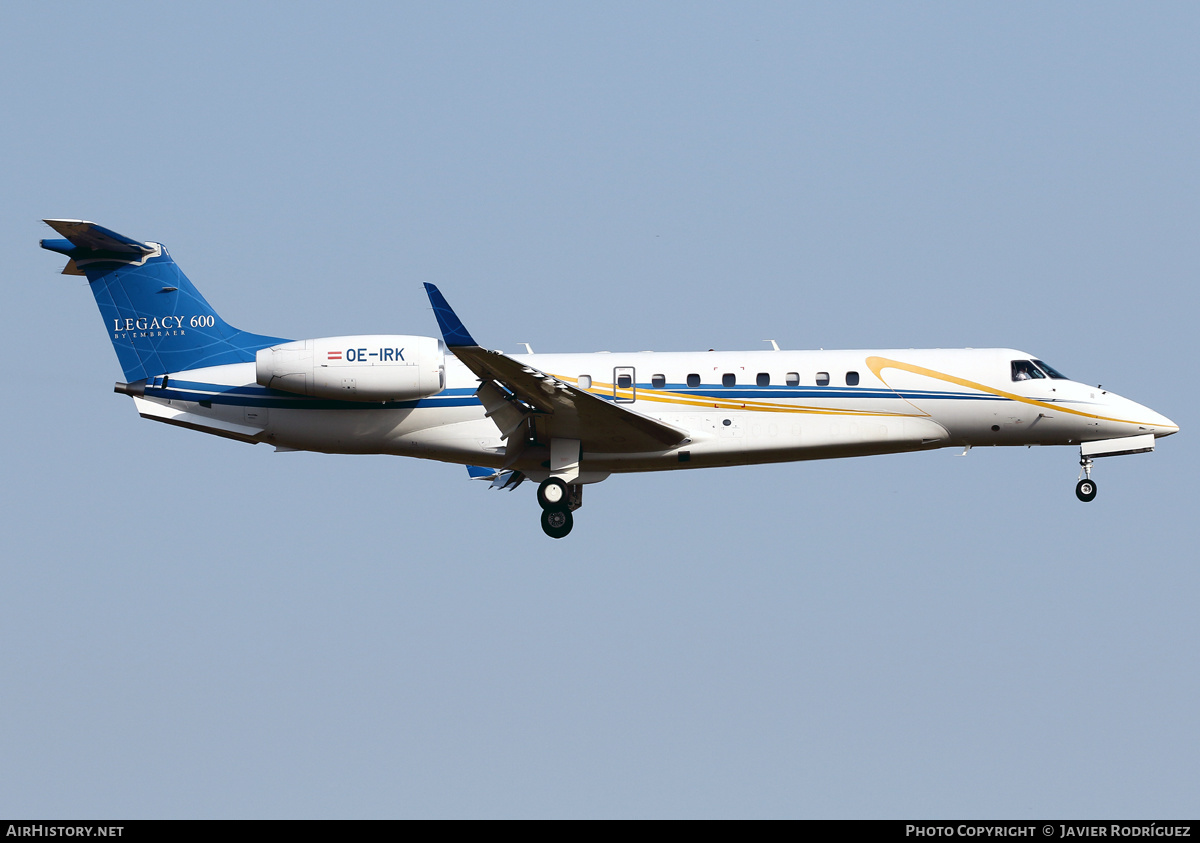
(1085,489)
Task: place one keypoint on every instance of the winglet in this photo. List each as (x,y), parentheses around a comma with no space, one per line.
(453,331)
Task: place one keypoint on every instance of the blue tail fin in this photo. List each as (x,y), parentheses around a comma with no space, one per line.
(156,318)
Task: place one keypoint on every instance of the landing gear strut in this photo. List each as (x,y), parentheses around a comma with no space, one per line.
(558,500)
(1085,489)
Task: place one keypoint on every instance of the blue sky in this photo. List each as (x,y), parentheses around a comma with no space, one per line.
(199,628)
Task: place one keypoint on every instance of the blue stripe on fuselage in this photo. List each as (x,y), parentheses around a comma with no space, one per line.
(257,396)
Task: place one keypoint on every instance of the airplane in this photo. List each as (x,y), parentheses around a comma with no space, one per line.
(566,421)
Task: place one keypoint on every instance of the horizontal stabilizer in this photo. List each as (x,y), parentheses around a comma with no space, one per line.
(87,237)
(194,421)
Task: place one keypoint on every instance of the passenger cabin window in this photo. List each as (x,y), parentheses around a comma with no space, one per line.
(793,378)
(585,381)
(658,381)
(624,381)
(822,378)
(728,379)
(1052,372)
(693,380)
(763,379)
(1024,370)
(851,378)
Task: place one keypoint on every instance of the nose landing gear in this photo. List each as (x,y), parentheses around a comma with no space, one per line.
(1085,489)
(558,500)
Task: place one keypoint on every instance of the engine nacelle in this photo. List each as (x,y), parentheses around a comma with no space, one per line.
(367,368)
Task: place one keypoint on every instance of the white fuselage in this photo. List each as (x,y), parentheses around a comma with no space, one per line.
(737,408)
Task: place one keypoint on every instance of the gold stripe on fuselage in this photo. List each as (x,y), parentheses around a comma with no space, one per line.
(663,397)
(878,364)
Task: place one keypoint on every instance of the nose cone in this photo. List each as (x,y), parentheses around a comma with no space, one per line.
(1129,418)
(1163,426)
(1149,421)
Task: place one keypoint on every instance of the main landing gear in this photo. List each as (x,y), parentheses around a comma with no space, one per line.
(1085,489)
(558,500)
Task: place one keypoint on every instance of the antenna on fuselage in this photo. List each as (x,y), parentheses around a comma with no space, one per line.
(774,344)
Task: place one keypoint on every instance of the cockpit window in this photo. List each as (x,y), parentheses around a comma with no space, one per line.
(1024,370)
(1052,372)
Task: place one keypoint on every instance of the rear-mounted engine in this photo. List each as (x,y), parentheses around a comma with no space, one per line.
(367,368)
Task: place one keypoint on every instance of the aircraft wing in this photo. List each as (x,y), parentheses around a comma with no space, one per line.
(514,393)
